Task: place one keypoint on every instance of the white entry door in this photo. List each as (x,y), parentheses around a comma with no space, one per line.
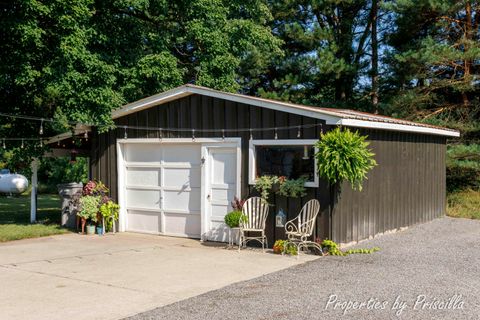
(222,184)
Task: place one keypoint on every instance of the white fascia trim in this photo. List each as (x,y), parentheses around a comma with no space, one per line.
(279,106)
(151,101)
(396,127)
(184,91)
(252,174)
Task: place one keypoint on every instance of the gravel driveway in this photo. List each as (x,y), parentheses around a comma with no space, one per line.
(430,271)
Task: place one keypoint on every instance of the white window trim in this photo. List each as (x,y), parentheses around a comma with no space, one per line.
(252,168)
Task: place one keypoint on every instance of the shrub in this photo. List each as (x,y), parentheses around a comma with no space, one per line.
(344,155)
(233,218)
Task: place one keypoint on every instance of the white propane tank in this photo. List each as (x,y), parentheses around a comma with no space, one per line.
(12,182)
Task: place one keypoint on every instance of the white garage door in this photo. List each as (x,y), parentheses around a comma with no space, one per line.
(163,188)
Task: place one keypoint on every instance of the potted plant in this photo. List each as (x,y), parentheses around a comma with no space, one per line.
(265,183)
(109,211)
(89,206)
(282,186)
(279,248)
(293,188)
(233,218)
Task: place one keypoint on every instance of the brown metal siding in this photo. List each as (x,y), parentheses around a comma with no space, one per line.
(407,187)
(202,112)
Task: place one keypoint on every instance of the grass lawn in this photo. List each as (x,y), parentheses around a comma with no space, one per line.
(15,217)
(464,204)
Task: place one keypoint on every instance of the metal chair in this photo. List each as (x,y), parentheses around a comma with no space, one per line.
(299,229)
(255,212)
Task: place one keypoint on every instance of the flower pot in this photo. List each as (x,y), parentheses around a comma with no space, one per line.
(90,229)
(84,222)
(275,187)
(100,230)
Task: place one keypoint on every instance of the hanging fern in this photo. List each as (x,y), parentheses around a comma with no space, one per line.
(344,155)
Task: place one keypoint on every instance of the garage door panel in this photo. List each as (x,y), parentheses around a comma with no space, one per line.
(181,154)
(182,200)
(149,199)
(163,185)
(144,221)
(143,177)
(182,224)
(137,152)
(182,177)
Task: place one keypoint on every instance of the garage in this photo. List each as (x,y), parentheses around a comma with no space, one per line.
(176,160)
(161,184)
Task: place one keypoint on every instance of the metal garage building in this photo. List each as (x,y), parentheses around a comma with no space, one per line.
(180,179)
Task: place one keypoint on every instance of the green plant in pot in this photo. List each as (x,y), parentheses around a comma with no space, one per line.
(264,185)
(89,206)
(109,211)
(293,188)
(233,218)
(282,186)
(279,247)
(343,155)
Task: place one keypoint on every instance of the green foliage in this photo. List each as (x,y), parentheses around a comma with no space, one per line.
(109,211)
(344,155)
(264,185)
(333,249)
(463,167)
(89,206)
(293,188)
(279,247)
(325,51)
(434,60)
(464,204)
(54,171)
(233,218)
(79,60)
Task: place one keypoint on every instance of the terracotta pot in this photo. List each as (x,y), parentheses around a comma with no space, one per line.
(84,222)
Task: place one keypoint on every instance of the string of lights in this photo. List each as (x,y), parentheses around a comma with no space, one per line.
(162,130)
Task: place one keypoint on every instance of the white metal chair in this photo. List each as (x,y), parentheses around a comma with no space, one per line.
(299,229)
(255,212)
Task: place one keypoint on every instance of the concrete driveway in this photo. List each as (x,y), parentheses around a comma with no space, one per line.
(91,277)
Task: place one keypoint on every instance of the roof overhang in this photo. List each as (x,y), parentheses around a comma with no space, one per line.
(330,117)
(397,127)
(79,129)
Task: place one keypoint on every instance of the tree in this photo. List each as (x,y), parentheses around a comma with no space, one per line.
(325,45)
(78,60)
(436,60)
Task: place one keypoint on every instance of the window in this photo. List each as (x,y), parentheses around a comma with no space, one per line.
(290,158)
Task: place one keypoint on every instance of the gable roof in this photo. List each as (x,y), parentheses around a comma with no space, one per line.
(344,117)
